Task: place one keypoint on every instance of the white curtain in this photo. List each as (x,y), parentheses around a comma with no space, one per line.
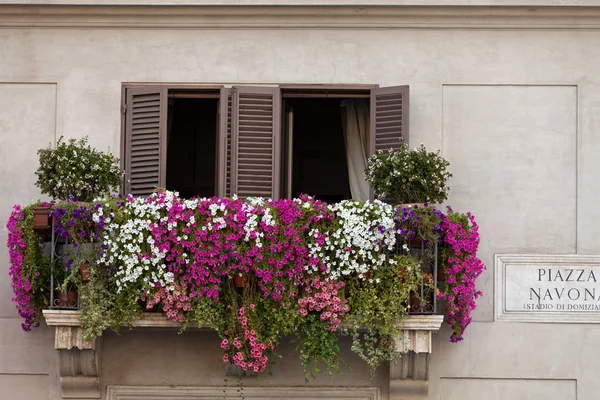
(355,120)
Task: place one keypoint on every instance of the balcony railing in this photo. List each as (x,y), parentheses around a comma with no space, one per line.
(422,302)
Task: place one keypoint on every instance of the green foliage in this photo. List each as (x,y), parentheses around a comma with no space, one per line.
(378,306)
(319,347)
(35,265)
(460,218)
(76,169)
(409,175)
(207,312)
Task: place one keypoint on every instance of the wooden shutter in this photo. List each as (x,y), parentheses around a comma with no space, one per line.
(145,139)
(224,163)
(389,117)
(256,138)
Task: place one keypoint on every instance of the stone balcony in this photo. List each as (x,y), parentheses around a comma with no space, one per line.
(79,364)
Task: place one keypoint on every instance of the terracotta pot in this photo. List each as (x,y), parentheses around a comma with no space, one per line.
(242,280)
(71,299)
(41,218)
(83,271)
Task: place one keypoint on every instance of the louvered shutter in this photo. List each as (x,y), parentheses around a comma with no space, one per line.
(389,117)
(256,137)
(224,170)
(389,120)
(145,139)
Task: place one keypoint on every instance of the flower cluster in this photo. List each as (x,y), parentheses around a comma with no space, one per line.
(129,244)
(243,348)
(360,241)
(413,221)
(175,301)
(409,175)
(21,284)
(29,272)
(324,297)
(463,269)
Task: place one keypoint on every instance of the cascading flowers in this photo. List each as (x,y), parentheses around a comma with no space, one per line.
(463,269)
(29,270)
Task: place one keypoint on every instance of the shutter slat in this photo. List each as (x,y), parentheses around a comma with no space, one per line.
(140,132)
(253,159)
(389,130)
(140,140)
(145,149)
(145,127)
(255,137)
(146,119)
(145,130)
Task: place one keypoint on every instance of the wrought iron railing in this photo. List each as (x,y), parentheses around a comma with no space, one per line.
(423,301)
(66,298)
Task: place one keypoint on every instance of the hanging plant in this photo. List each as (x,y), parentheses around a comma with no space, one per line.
(378,308)
(29,270)
(462,269)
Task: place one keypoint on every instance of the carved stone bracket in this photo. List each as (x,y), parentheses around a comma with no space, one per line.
(78,358)
(409,375)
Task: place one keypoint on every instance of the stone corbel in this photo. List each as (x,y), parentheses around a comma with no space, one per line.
(78,358)
(410,374)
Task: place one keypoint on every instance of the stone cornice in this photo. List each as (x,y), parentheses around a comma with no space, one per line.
(358,3)
(328,16)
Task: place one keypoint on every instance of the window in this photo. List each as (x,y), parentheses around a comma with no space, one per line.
(192,143)
(258,140)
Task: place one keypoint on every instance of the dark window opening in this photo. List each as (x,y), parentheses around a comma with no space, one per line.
(318,165)
(191,146)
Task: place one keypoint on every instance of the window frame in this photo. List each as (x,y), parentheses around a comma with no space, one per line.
(225,120)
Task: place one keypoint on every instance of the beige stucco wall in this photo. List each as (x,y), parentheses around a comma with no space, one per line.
(516,112)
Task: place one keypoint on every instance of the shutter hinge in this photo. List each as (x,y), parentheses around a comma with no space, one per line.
(123,108)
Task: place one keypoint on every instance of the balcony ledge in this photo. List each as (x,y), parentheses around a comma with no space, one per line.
(415,332)
(158,320)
